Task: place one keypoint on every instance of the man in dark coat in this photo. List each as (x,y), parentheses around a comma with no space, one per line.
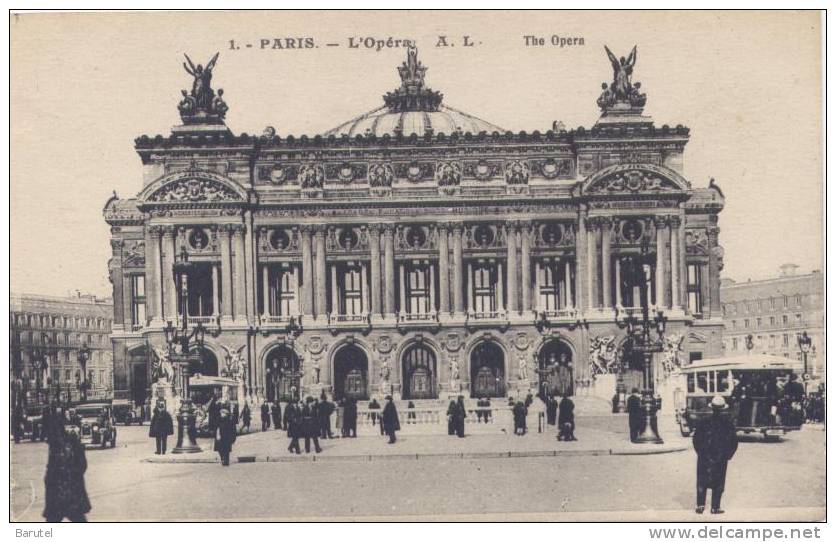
(391,423)
(350,418)
(66,494)
(265,416)
(161,427)
(451,426)
(310,425)
(551,410)
(292,423)
(459,416)
(519,412)
(566,419)
(246,417)
(374,406)
(276,414)
(634,413)
(715,442)
(794,397)
(225,435)
(324,411)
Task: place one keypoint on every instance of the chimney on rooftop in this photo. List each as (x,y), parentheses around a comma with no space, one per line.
(788,269)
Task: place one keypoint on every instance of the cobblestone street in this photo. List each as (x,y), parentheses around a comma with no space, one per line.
(566,487)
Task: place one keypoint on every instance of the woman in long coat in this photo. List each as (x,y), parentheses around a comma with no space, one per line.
(66,495)
(519,411)
(451,424)
(566,419)
(224,435)
(391,423)
(459,415)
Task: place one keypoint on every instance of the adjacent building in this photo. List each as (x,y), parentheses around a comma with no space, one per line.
(775,312)
(59,344)
(415,249)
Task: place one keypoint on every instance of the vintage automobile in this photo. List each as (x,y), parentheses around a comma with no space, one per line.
(126,413)
(96,424)
(758,412)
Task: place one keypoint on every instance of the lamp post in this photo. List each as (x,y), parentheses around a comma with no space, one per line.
(83,357)
(641,341)
(190,343)
(805,344)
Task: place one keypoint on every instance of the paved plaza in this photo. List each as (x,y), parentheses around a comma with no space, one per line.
(527,478)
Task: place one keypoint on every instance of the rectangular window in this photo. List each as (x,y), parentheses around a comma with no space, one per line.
(352,291)
(734,344)
(798,301)
(484,289)
(772,304)
(746,323)
(287,293)
(552,286)
(771,320)
(786,302)
(281,296)
(786,339)
(694,288)
(785,319)
(759,322)
(418,289)
(734,324)
(722,381)
(200,290)
(138,300)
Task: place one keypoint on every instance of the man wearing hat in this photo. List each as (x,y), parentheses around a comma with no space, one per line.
(391,423)
(634,412)
(715,442)
(224,434)
(310,425)
(161,427)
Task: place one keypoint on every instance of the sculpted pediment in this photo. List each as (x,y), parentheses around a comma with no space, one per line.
(193,186)
(629,179)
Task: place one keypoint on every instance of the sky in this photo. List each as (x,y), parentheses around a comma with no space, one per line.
(85,85)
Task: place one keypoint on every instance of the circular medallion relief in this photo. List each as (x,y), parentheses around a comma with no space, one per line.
(346,173)
(279,240)
(198,239)
(483,235)
(348,238)
(413,172)
(416,237)
(632,230)
(278,173)
(482,170)
(552,234)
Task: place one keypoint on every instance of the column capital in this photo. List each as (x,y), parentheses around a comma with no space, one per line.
(713,233)
(169,230)
(388,229)
(661,220)
(674,221)
(457,227)
(374,229)
(443,226)
(225,229)
(319,230)
(156,229)
(512,225)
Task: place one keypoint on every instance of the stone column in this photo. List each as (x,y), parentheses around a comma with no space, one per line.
(713,277)
(469,287)
(537,272)
(666,257)
(374,249)
(525,265)
(458,283)
(364,286)
(307,272)
(226,272)
(403,309)
(431,271)
(335,291)
(618,282)
(660,262)
(389,268)
(581,281)
(592,261)
(705,294)
(265,293)
(606,280)
(568,282)
(296,294)
(443,270)
(321,303)
(240,291)
(683,269)
(500,306)
(169,287)
(675,263)
(511,261)
(215,290)
(151,282)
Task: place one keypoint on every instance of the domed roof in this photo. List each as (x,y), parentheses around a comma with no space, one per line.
(413,109)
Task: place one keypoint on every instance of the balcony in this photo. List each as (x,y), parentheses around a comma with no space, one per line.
(418,320)
(487,318)
(279,321)
(339,322)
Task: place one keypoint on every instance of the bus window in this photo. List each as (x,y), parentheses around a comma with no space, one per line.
(722,381)
(691,383)
(712,375)
(702,382)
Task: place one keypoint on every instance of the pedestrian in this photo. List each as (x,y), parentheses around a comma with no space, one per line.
(161,427)
(18,418)
(390,424)
(224,435)
(310,427)
(265,416)
(246,417)
(519,418)
(350,418)
(276,414)
(486,404)
(794,395)
(338,423)
(451,424)
(459,416)
(374,407)
(65,494)
(235,414)
(566,419)
(324,411)
(616,400)
(410,416)
(551,410)
(292,423)
(634,413)
(715,441)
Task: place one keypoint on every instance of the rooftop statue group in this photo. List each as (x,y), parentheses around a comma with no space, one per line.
(622,90)
(202,104)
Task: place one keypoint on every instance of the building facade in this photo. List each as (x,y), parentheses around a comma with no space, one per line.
(775,312)
(47,335)
(415,250)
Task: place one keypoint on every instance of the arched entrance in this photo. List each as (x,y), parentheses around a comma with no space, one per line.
(138,363)
(554,363)
(419,373)
(207,366)
(487,371)
(283,374)
(351,373)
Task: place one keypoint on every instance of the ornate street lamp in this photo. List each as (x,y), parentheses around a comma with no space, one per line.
(81,380)
(190,343)
(805,344)
(641,341)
